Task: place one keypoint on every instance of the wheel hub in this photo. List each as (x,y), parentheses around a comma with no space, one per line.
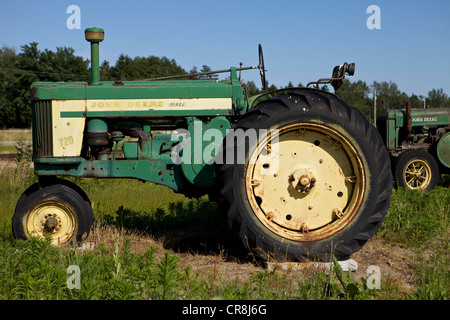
(417,174)
(52,219)
(50,224)
(302,180)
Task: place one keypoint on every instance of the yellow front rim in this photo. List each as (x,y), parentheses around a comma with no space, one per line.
(306,186)
(417,174)
(52,219)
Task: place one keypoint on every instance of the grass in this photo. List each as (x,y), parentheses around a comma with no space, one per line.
(14,135)
(434,276)
(9,137)
(14,179)
(416,219)
(8,148)
(128,262)
(35,270)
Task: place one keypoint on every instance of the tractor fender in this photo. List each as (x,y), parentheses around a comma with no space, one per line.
(254,100)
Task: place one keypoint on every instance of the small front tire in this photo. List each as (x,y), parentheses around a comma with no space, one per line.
(416,170)
(57,211)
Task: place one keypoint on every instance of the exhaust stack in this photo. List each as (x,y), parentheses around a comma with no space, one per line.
(95,36)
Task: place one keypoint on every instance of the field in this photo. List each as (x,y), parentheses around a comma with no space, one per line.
(151,243)
(9,138)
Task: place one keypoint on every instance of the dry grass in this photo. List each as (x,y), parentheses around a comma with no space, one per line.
(109,235)
(15,135)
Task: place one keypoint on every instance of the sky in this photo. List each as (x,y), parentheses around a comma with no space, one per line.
(302,40)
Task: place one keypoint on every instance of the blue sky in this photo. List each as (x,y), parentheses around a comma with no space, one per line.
(302,40)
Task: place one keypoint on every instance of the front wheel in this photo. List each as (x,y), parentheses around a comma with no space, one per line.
(58,211)
(317,185)
(416,170)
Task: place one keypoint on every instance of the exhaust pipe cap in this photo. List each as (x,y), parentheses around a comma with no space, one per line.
(94,34)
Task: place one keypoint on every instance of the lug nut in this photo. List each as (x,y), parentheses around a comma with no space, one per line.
(304,180)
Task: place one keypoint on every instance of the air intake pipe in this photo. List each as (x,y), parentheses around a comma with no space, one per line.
(95,36)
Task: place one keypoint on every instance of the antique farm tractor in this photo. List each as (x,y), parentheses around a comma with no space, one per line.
(419,143)
(303,174)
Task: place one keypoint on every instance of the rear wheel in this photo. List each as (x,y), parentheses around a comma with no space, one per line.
(58,211)
(318,184)
(416,170)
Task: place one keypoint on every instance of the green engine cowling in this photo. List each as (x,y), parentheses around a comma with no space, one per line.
(77,126)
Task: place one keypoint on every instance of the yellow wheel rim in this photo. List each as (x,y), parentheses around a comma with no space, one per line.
(52,219)
(306,186)
(417,174)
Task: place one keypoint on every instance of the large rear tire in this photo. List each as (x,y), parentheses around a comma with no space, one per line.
(319,185)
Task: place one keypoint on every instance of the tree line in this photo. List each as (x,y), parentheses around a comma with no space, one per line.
(19,69)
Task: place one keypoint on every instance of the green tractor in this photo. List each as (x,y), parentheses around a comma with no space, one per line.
(303,174)
(419,143)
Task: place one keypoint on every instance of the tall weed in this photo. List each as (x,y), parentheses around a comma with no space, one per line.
(415,218)
(433,282)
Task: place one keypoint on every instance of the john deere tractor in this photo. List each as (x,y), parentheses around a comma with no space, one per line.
(419,143)
(304,175)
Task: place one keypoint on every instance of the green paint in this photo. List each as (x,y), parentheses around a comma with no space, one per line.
(443,150)
(205,142)
(147,170)
(97,125)
(181,89)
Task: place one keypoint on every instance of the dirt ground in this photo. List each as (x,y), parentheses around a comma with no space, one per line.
(394,263)
(216,253)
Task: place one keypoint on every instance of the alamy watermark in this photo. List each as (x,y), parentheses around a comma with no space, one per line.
(374,20)
(74,280)
(374,280)
(207,146)
(74,20)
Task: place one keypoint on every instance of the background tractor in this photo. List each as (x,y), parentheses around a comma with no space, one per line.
(303,174)
(419,143)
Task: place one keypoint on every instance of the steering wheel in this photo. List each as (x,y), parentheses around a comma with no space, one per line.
(262,70)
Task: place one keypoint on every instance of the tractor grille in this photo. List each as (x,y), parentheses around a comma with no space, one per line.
(42,128)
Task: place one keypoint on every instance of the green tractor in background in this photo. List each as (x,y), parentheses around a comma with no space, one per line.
(419,143)
(303,174)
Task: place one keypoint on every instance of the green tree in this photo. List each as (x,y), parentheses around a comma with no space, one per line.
(141,68)
(105,71)
(252,89)
(206,69)
(356,94)
(124,69)
(62,65)
(8,87)
(438,99)
(388,95)
(272,87)
(416,101)
(194,71)
(19,71)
